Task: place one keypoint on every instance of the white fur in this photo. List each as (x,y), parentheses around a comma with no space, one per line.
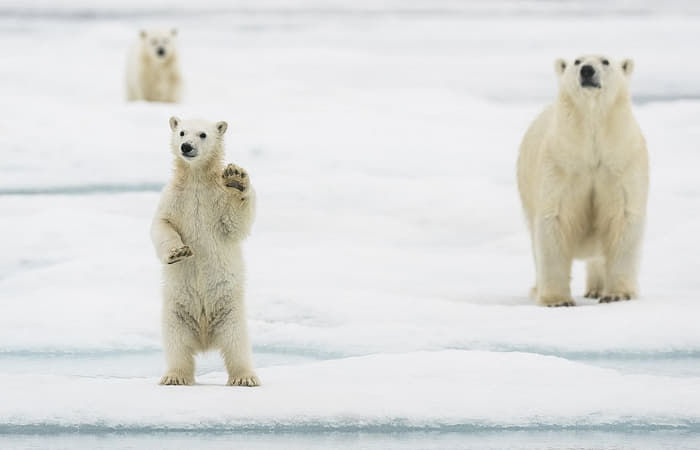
(150,76)
(583,178)
(197,232)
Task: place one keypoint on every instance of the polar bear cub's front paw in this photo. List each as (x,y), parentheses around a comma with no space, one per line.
(178,254)
(244,379)
(236,177)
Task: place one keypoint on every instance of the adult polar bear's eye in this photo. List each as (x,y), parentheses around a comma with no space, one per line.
(606,62)
(203,135)
(577,62)
(182,133)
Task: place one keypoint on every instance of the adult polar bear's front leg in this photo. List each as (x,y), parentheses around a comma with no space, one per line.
(553,260)
(625,204)
(552,243)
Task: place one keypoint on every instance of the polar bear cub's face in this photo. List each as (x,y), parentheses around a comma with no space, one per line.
(159,45)
(196,141)
(593,76)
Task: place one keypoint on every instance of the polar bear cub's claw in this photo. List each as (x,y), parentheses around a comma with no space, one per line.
(236,177)
(250,380)
(178,254)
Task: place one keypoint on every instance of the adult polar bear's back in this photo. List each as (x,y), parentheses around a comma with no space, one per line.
(583,179)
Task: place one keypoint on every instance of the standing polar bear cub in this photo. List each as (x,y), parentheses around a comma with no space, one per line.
(205,212)
(153,68)
(583,177)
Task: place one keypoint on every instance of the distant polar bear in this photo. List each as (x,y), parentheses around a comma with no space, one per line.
(153,71)
(583,176)
(205,212)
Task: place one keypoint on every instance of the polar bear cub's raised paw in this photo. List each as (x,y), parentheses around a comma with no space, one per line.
(236,177)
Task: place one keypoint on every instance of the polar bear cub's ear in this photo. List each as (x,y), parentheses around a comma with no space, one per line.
(221,127)
(173,32)
(143,34)
(559,66)
(174,122)
(627,66)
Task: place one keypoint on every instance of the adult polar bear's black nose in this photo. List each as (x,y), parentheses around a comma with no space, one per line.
(587,71)
(186,148)
(161,51)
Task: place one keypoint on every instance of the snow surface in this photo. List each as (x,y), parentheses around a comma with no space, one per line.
(389,265)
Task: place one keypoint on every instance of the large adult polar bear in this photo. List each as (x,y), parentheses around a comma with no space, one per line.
(583,177)
(205,212)
(153,68)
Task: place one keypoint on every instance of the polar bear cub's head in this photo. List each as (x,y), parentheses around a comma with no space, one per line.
(159,45)
(197,141)
(593,77)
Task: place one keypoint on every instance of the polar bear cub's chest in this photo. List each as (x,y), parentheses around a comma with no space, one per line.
(200,218)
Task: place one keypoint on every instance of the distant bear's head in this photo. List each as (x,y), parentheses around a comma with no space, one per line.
(593,77)
(197,141)
(159,45)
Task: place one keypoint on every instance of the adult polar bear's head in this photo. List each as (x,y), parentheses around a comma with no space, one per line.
(197,142)
(593,78)
(159,46)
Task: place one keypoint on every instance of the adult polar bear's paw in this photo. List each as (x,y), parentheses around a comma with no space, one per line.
(245,379)
(236,177)
(615,297)
(178,254)
(176,379)
(554,301)
(592,293)
(550,300)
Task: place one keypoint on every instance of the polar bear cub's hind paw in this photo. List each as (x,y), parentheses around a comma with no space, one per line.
(236,177)
(174,379)
(250,380)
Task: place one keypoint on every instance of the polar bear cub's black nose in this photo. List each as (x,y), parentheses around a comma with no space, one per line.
(161,51)
(587,71)
(186,148)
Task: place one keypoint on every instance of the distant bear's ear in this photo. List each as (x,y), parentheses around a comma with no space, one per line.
(627,66)
(143,34)
(559,66)
(174,122)
(173,32)
(221,127)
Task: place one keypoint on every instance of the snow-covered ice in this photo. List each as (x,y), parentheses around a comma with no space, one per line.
(389,265)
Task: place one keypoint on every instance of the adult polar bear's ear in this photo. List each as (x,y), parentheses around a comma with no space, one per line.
(627,66)
(559,66)
(221,127)
(173,32)
(174,122)
(143,34)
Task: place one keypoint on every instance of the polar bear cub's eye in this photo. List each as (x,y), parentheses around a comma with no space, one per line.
(577,62)
(203,135)
(182,133)
(606,62)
